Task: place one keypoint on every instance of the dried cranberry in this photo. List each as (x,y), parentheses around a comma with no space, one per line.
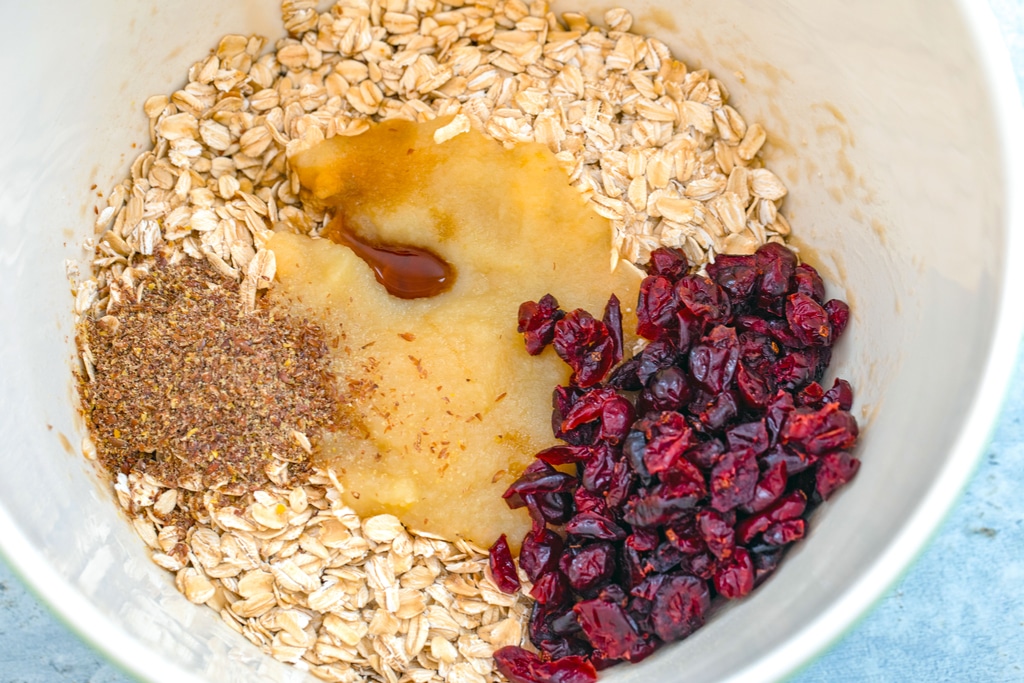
(713,361)
(594,525)
(704,299)
(634,448)
(503,569)
(752,435)
(643,540)
(811,395)
(819,431)
(808,282)
(668,263)
(591,567)
(551,588)
(766,559)
(734,479)
(614,411)
(705,454)
(598,468)
(754,389)
(536,480)
(769,487)
(776,264)
(563,455)
(717,412)
(586,345)
(625,376)
(661,353)
(653,508)
(521,666)
(621,485)
(808,320)
(737,275)
(668,389)
(610,630)
(789,507)
(679,606)
(540,553)
(782,533)
(668,437)
(537,322)
(550,508)
(834,470)
(838,317)
(612,320)
(841,393)
(666,557)
(734,577)
(717,533)
(656,307)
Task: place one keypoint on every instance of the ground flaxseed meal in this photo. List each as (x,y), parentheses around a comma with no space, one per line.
(653,145)
(196,393)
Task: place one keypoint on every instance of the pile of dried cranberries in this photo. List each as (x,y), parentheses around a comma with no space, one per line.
(696,461)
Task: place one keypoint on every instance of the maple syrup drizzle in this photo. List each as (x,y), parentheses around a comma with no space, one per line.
(405,271)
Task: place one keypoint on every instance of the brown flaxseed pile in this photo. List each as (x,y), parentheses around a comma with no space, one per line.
(195,393)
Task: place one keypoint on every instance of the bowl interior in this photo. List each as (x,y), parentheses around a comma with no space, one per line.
(882,121)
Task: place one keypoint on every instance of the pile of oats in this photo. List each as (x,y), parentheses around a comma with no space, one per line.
(654,146)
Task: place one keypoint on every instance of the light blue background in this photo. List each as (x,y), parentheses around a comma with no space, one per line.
(957,616)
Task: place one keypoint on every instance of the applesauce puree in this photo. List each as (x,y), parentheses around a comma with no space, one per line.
(444,406)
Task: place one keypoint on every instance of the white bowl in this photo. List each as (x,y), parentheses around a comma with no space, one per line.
(894,123)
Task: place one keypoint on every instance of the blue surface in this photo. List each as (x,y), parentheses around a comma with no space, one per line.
(958,614)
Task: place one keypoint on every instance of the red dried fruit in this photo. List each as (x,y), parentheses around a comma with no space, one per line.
(834,470)
(808,321)
(789,507)
(521,666)
(807,281)
(605,404)
(668,263)
(564,455)
(656,307)
(754,389)
(841,393)
(537,322)
(737,275)
(654,508)
(610,630)
(591,566)
(668,389)
(594,525)
(819,431)
(536,480)
(713,361)
(704,299)
(717,533)
(776,265)
(503,569)
(734,577)
(679,606)
(705,489)
(752,435)
(612,320)
(668,437)
(769,487)
(783,533)
(551,588)
(541,551)
(734,479)
(838,317)
(586,346)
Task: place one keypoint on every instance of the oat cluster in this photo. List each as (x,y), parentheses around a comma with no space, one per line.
(653,145)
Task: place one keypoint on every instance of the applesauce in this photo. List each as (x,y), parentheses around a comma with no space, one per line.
(443,406)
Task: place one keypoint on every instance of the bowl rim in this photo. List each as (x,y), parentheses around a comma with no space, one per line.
(138,660)
(986,407)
